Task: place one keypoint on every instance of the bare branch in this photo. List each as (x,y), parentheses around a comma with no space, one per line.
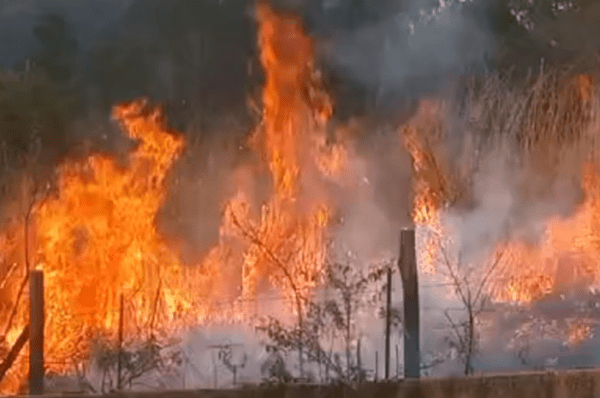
(454,276)
(491,269)
(254,239)
(455,329)
(14,352)
(7,275)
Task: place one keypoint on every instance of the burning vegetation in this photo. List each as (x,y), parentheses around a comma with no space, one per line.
(96,237)
(550,147)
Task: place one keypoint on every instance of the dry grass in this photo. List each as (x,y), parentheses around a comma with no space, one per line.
(541,124)
(546,111)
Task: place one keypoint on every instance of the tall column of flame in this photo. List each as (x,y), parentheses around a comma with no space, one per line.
(286,240)
(433,186)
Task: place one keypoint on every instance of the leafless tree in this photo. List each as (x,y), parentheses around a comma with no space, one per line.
(350,287)
(283,259)
(226,356)
(21,172)
(33,192)
(470,284)
(331,320)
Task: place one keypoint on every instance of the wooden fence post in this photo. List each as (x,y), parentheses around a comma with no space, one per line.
(388,323)
(407,264)
(120,353)
(36,333)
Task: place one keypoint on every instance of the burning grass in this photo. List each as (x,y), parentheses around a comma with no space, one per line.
(97,238)
(533,142)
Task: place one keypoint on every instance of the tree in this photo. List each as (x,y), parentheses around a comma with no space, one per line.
(201,39)
(34,189)
(561,32)
(282,250)
(122,71)
(349,285)
(59,47)
(35,110)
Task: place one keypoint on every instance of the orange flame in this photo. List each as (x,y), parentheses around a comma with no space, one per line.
(566,258)
(97,239)
(567,255)
(287,241)
(433,186)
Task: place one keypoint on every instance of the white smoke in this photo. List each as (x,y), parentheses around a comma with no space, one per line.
(508,204)
(418,43)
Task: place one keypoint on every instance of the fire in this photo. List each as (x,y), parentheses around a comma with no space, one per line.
(287,236)
(564,261)
(293,105)
(565,258)
(434,188)
(97,238)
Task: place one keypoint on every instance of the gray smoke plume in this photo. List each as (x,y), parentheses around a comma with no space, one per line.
(418,47)
(514,202)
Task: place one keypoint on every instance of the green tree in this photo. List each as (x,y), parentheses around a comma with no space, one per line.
(35,110)
(58,47)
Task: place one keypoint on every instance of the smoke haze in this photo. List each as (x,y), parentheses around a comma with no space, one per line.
(396,59)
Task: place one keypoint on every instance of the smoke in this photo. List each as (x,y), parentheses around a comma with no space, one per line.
(519,150)
(374,200)
(205,369)
(511,201)
(210,173)
(508,199)
(90,19)
(416,49)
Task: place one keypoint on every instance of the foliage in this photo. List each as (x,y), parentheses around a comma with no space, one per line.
(177,51)
(59,47)
(558,31)
(33,109)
